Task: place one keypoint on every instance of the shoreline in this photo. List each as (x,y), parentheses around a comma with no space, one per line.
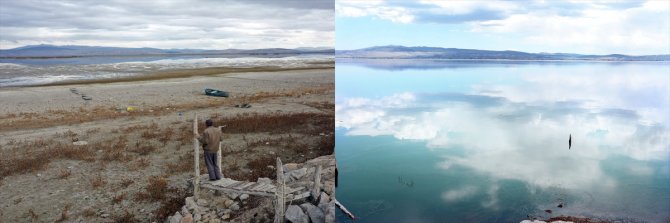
(176,73)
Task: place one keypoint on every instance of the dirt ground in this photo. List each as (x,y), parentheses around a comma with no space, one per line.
(136,164)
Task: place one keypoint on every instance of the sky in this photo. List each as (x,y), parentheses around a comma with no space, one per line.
(169,24)
(586,27)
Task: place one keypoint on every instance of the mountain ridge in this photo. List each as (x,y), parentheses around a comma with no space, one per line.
(426,52)
(46,50)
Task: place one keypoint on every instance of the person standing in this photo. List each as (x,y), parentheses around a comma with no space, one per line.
(210,140)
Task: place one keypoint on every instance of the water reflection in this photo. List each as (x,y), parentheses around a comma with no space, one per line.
(516,129)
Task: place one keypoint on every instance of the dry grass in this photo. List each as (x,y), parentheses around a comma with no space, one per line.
(170,204)
(118,198)
(20,161)
(63,174)
(183,164)
(259,168)
(64,213)
(155,189)
(127,217)
(98,181)
(139,164)
(88,212)
(33,215)
(143,149)
(278,123)
(126,182)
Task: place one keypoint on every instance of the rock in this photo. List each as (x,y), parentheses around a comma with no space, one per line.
(315,213)
(233,196)
(225,216)
(296,215)
(188,218)
(264,180)
(244,197)
(297,174)
(104,215)
(202,202)
(184,211)
(190,204)
(533,221)
(271,167)
(227,203)
(329,210)
(80,143)
(197,217)
(176,218)
(329,187)
(324,198)
(214,220)
(235,206)
(290,167)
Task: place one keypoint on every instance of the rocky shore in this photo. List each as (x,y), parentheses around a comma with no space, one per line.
(315,207)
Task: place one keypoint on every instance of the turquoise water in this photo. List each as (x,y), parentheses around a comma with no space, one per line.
(466,141)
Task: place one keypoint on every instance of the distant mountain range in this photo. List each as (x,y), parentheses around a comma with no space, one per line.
(422,52)
(40,51)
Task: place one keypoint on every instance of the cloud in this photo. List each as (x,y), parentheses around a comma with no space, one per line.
(354,8)
(169,24)
(459,194)
(630,30)
(598,27)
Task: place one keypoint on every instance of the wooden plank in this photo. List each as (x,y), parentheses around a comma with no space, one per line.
(292,190)
(257,187)
(245,185)
(267,187)
(232,186)
(227,183)
(229,190)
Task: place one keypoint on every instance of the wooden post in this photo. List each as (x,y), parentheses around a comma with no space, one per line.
(279,194)
(196,156)
(316,190)
(344,209)
(218,160)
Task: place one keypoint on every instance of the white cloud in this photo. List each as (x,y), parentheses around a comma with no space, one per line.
(376,9)
(459,194)
(465,7)
(634,30)
(169,24)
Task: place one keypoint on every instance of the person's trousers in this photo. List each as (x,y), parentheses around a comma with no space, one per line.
(212,169)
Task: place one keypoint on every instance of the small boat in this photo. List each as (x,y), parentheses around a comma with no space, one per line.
(216,93)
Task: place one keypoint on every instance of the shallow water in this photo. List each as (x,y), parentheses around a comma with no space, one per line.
(487,141)
(25,72)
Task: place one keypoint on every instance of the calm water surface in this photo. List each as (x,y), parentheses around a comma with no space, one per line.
(466,141)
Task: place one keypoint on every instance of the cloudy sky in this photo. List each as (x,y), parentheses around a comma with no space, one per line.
(169,24)
(590,27)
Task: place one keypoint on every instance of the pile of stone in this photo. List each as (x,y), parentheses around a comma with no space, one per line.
(212,209)
(318,207)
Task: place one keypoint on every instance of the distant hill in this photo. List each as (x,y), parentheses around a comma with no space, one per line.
(79,51)
(422,52)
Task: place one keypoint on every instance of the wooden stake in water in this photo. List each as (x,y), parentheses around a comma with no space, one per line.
(196,179)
